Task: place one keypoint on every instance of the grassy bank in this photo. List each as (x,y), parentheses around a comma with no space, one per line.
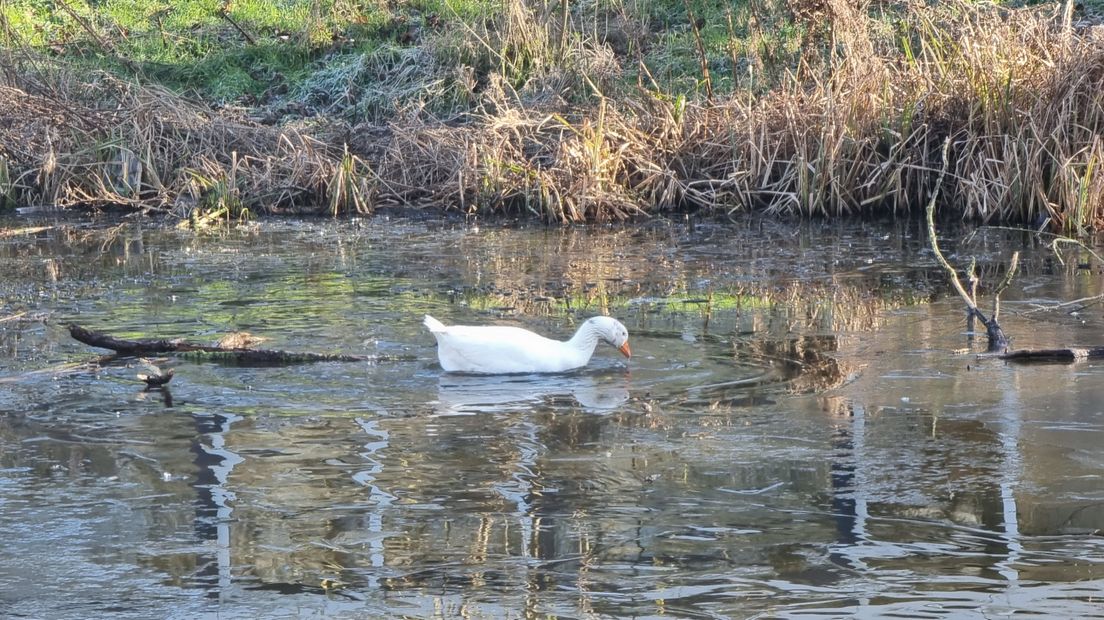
(562,111)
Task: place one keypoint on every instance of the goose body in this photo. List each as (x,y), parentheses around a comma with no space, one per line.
(496,349)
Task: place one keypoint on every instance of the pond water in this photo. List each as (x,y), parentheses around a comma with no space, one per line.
(804,429)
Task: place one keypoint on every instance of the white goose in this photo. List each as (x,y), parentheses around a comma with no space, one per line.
(498,350)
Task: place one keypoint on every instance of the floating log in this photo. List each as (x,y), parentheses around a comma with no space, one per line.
(1054,355)
(230,355)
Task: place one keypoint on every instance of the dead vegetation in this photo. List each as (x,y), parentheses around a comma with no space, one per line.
(856,128)
(102,141)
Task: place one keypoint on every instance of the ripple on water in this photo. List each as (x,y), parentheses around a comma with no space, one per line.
(820,457)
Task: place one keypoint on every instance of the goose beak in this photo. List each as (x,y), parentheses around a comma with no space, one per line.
(624,349)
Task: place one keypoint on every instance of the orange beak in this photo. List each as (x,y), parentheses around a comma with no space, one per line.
(624,349)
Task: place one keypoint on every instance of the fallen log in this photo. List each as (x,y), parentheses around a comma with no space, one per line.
(230,355)
(1073,354)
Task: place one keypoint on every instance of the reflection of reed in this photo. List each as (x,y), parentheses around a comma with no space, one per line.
(804,364)
(564,273)
(537,494)
(767,368)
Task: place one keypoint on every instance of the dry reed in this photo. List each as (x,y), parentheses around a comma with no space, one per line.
(108,142)
(1019,93)
(855,129)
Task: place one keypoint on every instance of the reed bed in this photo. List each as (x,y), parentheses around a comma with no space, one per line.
(855,128)
(106,142)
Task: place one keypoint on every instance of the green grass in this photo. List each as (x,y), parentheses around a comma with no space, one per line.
(293,46)
(192,46)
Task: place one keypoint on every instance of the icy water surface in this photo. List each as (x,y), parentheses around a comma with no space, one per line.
(803,430)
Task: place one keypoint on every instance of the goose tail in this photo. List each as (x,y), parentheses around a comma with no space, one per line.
(433,324)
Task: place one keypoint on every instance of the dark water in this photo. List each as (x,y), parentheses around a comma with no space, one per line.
(803,430)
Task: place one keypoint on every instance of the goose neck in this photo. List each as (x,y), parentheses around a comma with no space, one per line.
(585,338)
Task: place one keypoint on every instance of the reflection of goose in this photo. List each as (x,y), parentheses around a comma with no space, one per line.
(495,349)
(469,394)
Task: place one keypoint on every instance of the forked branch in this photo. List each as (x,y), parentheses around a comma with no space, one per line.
(997,340)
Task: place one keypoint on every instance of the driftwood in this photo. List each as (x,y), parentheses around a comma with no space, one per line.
(1054,355)
(230,355)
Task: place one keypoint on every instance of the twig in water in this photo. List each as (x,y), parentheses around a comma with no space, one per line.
(997,340)
(1059,306)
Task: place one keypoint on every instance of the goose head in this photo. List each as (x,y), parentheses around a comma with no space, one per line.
(612,331)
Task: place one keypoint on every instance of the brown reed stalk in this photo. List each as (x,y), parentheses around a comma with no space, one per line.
(703,60)
(1019,92)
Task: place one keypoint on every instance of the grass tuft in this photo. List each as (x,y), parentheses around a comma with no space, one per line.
(564,111)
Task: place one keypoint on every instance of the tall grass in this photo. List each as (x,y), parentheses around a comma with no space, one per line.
(531,109)
(102,141)
(856,130)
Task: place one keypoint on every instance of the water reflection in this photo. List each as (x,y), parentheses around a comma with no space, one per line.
(214,499)
(469,395)
(794,437)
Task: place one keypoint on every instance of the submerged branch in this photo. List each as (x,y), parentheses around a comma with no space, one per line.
(1073,354)
(1013,265)
(236,355)
(1084,301)
(1059,239)
(951,272)
(997,340)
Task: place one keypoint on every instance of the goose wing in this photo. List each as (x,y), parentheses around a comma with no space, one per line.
(501,349)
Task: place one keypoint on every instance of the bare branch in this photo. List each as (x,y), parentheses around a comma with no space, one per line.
(955,281)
